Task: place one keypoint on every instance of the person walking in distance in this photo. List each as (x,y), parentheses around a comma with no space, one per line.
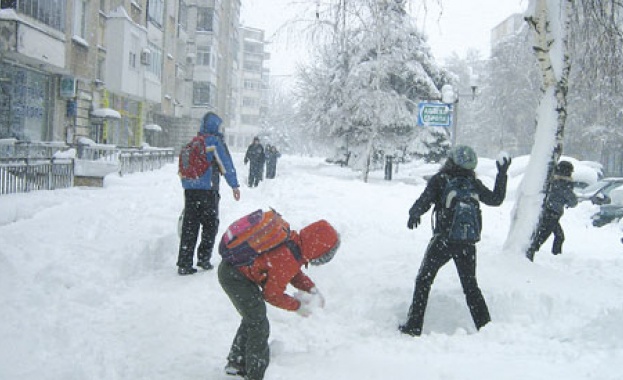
(255,158)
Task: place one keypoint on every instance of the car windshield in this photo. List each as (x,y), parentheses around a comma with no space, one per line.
(593,188)
(612,186)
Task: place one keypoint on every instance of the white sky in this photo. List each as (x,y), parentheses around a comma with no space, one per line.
(462,25)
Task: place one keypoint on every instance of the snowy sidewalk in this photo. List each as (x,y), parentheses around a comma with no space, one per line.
(89,289)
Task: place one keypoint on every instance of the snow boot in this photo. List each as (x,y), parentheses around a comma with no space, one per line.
(235,369)
(408,330)
(185,271)
(205,265)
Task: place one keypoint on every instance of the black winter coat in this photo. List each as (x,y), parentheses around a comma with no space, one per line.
(434,191)
(560,195)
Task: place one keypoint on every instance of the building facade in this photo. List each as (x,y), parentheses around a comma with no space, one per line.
(120,72)
(251,88)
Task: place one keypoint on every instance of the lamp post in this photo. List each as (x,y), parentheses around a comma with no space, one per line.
(451,97)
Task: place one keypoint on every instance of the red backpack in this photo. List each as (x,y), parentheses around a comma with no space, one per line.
(193,162)
(252,235)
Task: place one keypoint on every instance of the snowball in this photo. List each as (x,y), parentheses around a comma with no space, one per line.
(503,156)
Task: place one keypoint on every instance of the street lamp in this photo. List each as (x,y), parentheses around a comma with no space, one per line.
(451,97)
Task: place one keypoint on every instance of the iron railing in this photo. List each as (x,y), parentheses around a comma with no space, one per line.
(26,166)
(22,175)
(133,160)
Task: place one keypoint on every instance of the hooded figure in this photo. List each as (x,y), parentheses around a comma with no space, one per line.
(250,287)
(442,248)
(201,199)
(255,157)
(559,197)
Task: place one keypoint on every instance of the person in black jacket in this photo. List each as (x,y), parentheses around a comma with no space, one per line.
(559,196)
(461,162)
(272,154)
(255,156)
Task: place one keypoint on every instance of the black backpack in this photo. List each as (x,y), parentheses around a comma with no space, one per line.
(461,210)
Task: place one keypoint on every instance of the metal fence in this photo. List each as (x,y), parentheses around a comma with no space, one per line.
(26,166)
(21,175)
(133,160)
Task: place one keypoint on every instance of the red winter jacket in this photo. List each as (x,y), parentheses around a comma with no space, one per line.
(274,270)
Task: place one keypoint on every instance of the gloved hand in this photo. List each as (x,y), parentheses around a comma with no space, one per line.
(304,310)
(318,299)
(503,167)
(413,222)
(309,301)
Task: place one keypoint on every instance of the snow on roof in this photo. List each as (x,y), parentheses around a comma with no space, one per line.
(153,127)
(106,113)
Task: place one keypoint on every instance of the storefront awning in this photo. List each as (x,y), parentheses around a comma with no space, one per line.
(153,127)
(106,113)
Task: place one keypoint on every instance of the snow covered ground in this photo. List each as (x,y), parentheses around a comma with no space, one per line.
(89,288)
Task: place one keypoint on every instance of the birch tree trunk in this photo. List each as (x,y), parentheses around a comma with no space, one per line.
(549,20)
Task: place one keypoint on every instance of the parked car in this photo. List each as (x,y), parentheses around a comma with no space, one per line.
(607,214)
(599,192)
(611,212)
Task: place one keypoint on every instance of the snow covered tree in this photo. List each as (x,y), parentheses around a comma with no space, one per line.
(368,88)
(550,21)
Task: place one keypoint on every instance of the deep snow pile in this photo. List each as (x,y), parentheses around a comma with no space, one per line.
(89,289)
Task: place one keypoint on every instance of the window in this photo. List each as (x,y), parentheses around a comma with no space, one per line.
(101,68)
(80,18)
(250,119)
(250,102)
(155,64)
(207,20)
(103,5)
(252,84)
(204,93)
(183,16)
(132,60)
(155,11)
(252,66)
(203,55)
(49,12)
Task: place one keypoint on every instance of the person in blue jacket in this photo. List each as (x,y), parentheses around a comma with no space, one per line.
(201,199)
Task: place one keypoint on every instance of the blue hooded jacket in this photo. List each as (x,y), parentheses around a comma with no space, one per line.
(217,153)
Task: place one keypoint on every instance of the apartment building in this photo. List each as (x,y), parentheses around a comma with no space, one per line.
(121,72)
(251,90)
(509,27)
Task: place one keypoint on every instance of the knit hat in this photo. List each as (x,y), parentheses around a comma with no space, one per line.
(319,242)
(464,157)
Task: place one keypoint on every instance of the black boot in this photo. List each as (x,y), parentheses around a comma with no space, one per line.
(410,330)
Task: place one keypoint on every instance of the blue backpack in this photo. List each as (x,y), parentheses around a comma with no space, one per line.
(461,209)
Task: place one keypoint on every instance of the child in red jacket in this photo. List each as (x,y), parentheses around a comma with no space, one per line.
(266,280)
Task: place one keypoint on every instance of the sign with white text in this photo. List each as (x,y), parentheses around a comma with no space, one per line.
(434,115)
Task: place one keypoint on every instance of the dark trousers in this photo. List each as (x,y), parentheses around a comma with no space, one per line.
(438,253)
(256,171)
(271,169)
(200,210)
(550,224)
(249,349)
